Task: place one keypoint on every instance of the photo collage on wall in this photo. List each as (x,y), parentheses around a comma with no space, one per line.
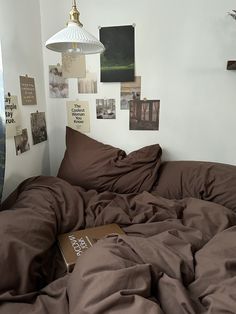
(14,127)
(117,65)
(2,128)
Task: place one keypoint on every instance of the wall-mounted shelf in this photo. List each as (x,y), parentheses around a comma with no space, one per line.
(231,65)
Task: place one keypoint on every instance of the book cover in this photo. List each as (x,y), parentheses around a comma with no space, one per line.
(73,244)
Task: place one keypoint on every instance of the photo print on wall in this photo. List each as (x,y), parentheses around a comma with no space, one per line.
(38,127)
(88,85)
(22,142)
(130,91)
(2,128)
(106,108)
(117,61)
(73,65)
(58,85)
(144,114)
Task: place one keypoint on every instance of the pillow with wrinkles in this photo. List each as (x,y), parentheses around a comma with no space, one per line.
(210,181)
(94,165)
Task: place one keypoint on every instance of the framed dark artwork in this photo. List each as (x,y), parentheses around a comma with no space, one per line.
(38,127)
(144,114)
(118,59)
(2,128)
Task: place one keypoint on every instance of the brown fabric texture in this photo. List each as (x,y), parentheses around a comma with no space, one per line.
(209,181)
(163,264)
(94,165)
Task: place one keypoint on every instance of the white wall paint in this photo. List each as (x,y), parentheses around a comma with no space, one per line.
(182,48)
(20,34)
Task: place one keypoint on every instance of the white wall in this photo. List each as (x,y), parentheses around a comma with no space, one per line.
(20,34)
(182,48)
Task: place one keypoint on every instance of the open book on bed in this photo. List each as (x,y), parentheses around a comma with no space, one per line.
(74,243)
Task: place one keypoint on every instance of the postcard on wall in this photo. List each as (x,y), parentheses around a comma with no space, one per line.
(22,142)
(2,128)
(73,65)
(144,114)
(13,117)
(117,61)
(88,85)
(28,93)
(130,91)
(58,85)
(78,115)
(106,108)
(38,127)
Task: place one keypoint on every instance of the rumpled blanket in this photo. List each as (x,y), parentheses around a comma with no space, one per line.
(177,256)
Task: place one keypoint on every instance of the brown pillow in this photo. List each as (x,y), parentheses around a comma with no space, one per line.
(209,181)
(94,165)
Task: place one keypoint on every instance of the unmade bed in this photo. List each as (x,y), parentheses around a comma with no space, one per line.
(178,254)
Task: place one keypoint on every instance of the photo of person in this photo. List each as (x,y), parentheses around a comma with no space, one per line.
(22,142)
(106,108)
(58,85)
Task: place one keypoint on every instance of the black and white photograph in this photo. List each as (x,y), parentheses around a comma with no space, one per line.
(38,127)
(58,85)
(22,142)
(88,85)
(117,61)
(144,114)
(129,91)
(106,108)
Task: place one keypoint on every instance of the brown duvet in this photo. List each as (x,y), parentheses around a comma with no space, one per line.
(178,256)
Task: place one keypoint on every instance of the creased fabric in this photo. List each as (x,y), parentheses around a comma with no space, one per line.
(177,256)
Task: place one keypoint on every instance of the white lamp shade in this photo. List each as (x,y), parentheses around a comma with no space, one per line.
(74,38)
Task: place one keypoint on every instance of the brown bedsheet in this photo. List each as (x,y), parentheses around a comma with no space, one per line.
(178,256)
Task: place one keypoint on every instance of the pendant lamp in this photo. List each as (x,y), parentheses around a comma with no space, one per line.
(74,38)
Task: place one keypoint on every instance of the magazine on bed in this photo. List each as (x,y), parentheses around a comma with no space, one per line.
(73,244)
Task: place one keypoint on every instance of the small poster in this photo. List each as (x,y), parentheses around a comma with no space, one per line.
(22,142)
(38,127)
(73,65)
(144,114)
(13,118)
(117,61)
(27,87)
(106,108)
(130,91)
(78,115)
(58,85)
(2,128)
(88,85)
